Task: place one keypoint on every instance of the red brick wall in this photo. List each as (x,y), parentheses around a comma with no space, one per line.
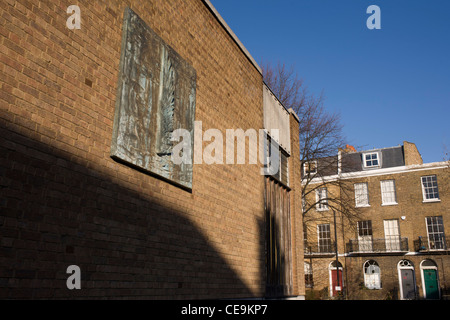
(64,201)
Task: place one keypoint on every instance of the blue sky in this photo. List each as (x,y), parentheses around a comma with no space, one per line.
(389,85)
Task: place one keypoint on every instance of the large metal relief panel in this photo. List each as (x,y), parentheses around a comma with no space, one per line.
(155,95)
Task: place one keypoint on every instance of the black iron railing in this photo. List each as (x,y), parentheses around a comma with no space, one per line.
(384,245)
(321,248)
(435,243)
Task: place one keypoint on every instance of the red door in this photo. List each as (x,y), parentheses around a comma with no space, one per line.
(335,283)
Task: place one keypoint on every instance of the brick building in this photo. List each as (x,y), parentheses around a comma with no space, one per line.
(391,237)
(83,182)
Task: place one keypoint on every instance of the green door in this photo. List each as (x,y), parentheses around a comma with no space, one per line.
(431,284)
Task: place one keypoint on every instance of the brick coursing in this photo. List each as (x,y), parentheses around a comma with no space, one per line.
(64,201)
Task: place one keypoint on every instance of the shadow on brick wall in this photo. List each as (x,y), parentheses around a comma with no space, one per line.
(56,212)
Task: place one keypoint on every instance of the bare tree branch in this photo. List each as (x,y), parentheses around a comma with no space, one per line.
(321,136)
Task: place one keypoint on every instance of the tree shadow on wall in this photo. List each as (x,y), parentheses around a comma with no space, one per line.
(56,212)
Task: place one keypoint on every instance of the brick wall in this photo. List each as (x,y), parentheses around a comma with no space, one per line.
(65,201)
(412,155)
(296,209)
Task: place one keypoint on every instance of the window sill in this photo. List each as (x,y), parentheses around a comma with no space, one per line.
(389,204)
(363,206)
(322,209)
(431,200)
(371,167)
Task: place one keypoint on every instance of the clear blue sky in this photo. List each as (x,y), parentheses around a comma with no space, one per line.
(389,85)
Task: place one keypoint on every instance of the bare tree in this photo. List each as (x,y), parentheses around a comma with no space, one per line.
(320,131)
(321,136)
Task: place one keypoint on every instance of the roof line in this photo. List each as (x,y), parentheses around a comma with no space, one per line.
(219,18)
(381,172)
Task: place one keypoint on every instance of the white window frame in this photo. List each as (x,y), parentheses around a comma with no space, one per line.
(340,271)
(423,269)
(365,236)
(425,188)
(321,200)
(435,226)
(392,236)
(378,159)
(306,166)
(386,194)
(361,194)
(405,264)
(309,274)
(324,242)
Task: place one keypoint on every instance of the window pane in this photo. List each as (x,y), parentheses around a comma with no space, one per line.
(388,193)
(430,187)
(372,275)
(371,159)
(361,194)
(321,198)
(392,234)
(436,237)
(324,238)
(365,228)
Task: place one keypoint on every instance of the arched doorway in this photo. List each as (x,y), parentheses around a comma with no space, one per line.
(335,285)
(372,275)
(407,280)
(430,279)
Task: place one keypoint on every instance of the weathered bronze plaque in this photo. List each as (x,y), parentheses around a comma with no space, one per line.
(155,95)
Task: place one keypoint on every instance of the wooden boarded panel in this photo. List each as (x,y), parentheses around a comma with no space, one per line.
(278,239)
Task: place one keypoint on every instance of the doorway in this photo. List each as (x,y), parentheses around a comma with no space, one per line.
(430,280)
(407,280)
(336,286)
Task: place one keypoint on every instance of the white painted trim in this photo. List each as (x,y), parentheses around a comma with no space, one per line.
(341,272)
(306,164)
(325,205)
(318,233)
(423,278)
(339,162)
(431,200)
(384,171)
(378,153)
(423,190)
(367,195)
(400,277)
(428,233)
(394,226)
(383,203)
(365,277)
